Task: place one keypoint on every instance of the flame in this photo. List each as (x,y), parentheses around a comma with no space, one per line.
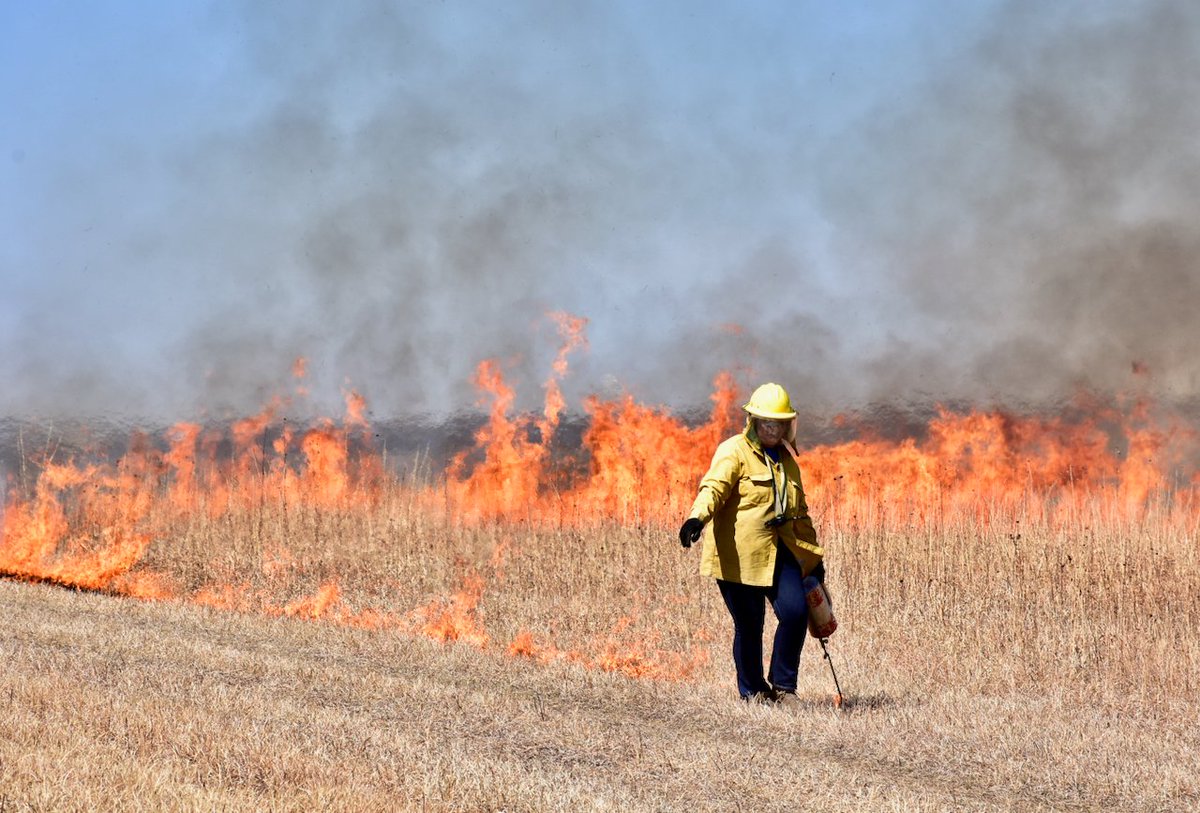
(645,464)
(93,524)
(232,597)
(326,479)
(299,372)
(523,645)
(97,547)
(181,458)
(643,461)
(457,619)
(981,464)
(619,651)
(315,606)
(641,658)
(326,604)
(501,483)
(356,409)
(570,329)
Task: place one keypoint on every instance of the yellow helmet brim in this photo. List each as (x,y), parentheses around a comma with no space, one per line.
(771,416)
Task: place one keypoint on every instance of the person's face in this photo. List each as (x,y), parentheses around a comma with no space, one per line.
(770,433)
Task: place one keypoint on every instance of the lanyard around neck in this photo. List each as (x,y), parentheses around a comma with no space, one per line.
(778,486)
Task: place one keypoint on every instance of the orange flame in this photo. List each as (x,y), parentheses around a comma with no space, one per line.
(356,409)
(299,371)
(97,551)
(618,652)
(570,329)
(91,524)
(456,619)
(314,607)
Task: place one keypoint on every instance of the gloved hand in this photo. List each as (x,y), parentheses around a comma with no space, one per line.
(690,532)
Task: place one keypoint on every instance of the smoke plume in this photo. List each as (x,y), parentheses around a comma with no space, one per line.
(403,191)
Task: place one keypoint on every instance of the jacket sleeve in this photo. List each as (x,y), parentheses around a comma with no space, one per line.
(722,474)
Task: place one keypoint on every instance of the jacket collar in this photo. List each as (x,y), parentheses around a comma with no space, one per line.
(752,438)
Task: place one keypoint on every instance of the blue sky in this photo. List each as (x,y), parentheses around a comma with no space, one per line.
(985,201)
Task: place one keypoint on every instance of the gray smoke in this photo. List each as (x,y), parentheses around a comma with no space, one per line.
(407,190)
(1036,208)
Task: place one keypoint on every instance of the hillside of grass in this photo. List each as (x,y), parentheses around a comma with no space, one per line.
(107,703)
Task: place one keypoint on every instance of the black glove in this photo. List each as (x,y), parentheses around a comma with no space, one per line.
(818,572)
(690,532)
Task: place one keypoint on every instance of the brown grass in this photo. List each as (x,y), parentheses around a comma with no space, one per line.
(1016,664)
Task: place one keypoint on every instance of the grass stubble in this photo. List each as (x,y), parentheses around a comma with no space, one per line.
(1013,664)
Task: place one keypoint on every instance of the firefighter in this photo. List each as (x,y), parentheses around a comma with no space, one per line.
(760,542)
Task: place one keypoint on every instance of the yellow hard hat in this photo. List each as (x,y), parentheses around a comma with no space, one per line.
(770,401)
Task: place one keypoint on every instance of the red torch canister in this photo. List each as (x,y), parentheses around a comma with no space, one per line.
(821,623)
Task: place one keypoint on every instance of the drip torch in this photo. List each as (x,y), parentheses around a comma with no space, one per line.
(822,624)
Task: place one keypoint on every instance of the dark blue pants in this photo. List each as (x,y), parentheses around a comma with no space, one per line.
(747,606)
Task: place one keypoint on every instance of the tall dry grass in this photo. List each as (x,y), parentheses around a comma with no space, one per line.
(1104,606)
(1003,660)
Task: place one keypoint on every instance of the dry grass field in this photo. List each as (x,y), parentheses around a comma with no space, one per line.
(260,618)
(1060,671)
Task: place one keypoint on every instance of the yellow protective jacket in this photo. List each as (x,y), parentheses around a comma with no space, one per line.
(735,502)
